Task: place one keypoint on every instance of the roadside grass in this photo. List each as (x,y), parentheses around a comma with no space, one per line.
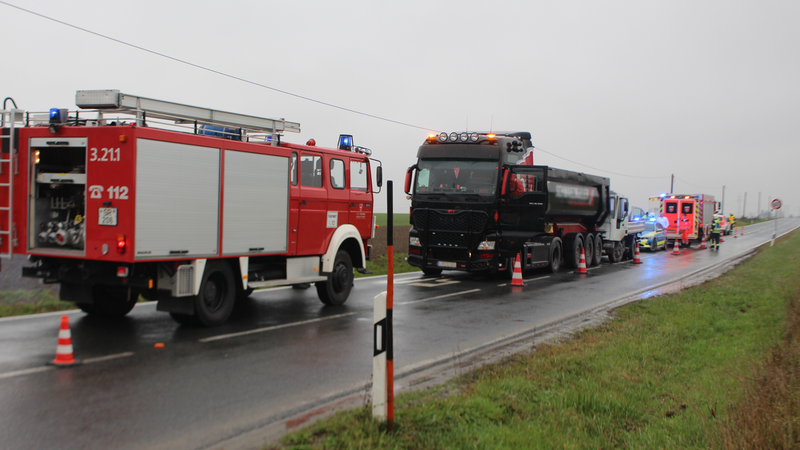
(381,219)
(22,302)
(714,366)
(380,265)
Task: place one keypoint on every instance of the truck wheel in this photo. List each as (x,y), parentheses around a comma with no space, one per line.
(432,272)
(616,253)
(572,253)
(111,301)
(598,250)
(335,291)
(214,303)
(556,252)
(588,249)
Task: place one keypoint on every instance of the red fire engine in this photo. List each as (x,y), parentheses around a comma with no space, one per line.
(189,206)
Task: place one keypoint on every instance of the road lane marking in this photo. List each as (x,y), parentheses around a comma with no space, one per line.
(275,327)
(526,281)
(17,373)
(438,297)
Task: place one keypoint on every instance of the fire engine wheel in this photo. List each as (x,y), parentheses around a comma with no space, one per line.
(572,252)
(588,249)
(556,252)
(111,301)
(598,250)
(335,291)
(214,303)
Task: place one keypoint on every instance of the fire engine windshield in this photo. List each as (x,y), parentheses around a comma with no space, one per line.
(456,176)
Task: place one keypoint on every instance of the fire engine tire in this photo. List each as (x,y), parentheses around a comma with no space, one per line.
(598,250)
(111,301)
(214,303)
(335,291)
(556,255)
(588,248)
(432,272)
(572,251)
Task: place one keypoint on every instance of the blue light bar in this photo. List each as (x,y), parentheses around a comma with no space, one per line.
(58,116)
(345,142)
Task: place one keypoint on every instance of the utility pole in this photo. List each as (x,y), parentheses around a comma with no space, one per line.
(722,205)
(759,206)
(744,208)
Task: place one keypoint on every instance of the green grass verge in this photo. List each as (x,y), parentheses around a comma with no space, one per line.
(381,219)
(22,302)
(380,266)
(663,373)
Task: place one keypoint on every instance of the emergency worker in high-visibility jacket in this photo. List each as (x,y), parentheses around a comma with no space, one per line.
(684,228)
(716,229)
(732,221)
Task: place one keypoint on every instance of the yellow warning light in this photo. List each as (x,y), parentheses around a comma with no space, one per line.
(491,135)
(36,157)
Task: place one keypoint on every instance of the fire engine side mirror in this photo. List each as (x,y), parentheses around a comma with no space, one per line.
(379,175)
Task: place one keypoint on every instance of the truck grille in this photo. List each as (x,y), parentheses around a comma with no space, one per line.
(455,230)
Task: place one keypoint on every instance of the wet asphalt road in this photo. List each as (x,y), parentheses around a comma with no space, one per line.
(281,353)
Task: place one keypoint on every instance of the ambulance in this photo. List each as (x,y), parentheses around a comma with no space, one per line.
(697,208)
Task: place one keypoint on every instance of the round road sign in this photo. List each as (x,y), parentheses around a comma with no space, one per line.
(776,204)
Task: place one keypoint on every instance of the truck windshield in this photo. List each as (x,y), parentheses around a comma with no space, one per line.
(456,176)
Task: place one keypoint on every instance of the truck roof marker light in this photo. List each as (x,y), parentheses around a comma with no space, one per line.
(491,135)
(121,243)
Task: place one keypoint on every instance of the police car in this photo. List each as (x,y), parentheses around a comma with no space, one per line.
(653,236)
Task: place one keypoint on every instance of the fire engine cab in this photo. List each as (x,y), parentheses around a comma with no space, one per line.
(189,206)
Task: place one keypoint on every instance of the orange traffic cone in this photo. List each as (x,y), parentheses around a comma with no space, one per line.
(736,232)
(676,249)
(582,263)
(636,259)
(64,357)
(516,280)
(703,243)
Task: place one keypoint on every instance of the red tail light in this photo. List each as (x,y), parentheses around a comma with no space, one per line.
(121,244)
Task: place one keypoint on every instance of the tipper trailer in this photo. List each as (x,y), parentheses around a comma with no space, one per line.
(189,206)
(477,201)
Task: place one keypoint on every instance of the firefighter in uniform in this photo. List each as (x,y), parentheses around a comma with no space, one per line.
(716,229)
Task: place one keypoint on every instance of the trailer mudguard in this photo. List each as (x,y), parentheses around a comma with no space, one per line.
(342,234)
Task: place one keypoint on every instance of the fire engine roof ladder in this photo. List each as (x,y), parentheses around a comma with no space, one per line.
(9,120)
(110,100)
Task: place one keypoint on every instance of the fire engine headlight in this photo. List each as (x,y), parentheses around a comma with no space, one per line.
(453,136)
(413,241)
(486,245)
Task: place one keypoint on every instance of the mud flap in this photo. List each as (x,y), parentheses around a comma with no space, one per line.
(177,305)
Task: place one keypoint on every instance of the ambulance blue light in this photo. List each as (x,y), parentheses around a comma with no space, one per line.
(652,219)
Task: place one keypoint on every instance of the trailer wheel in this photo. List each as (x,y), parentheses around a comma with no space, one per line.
(111,301)
(556,253)
(598,250)
(588,249)
(214,302)
(335,291)
(572,253)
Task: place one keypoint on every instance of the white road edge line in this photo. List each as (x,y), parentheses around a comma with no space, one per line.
(17,373)
(439,296)
(276,327)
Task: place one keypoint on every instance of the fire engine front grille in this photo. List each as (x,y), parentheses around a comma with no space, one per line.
(464,221)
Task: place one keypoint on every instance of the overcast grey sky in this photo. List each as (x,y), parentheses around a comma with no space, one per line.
(636,90)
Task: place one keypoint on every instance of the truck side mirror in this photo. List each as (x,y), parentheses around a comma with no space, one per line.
(379,175)
(407,186)
(505,182)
